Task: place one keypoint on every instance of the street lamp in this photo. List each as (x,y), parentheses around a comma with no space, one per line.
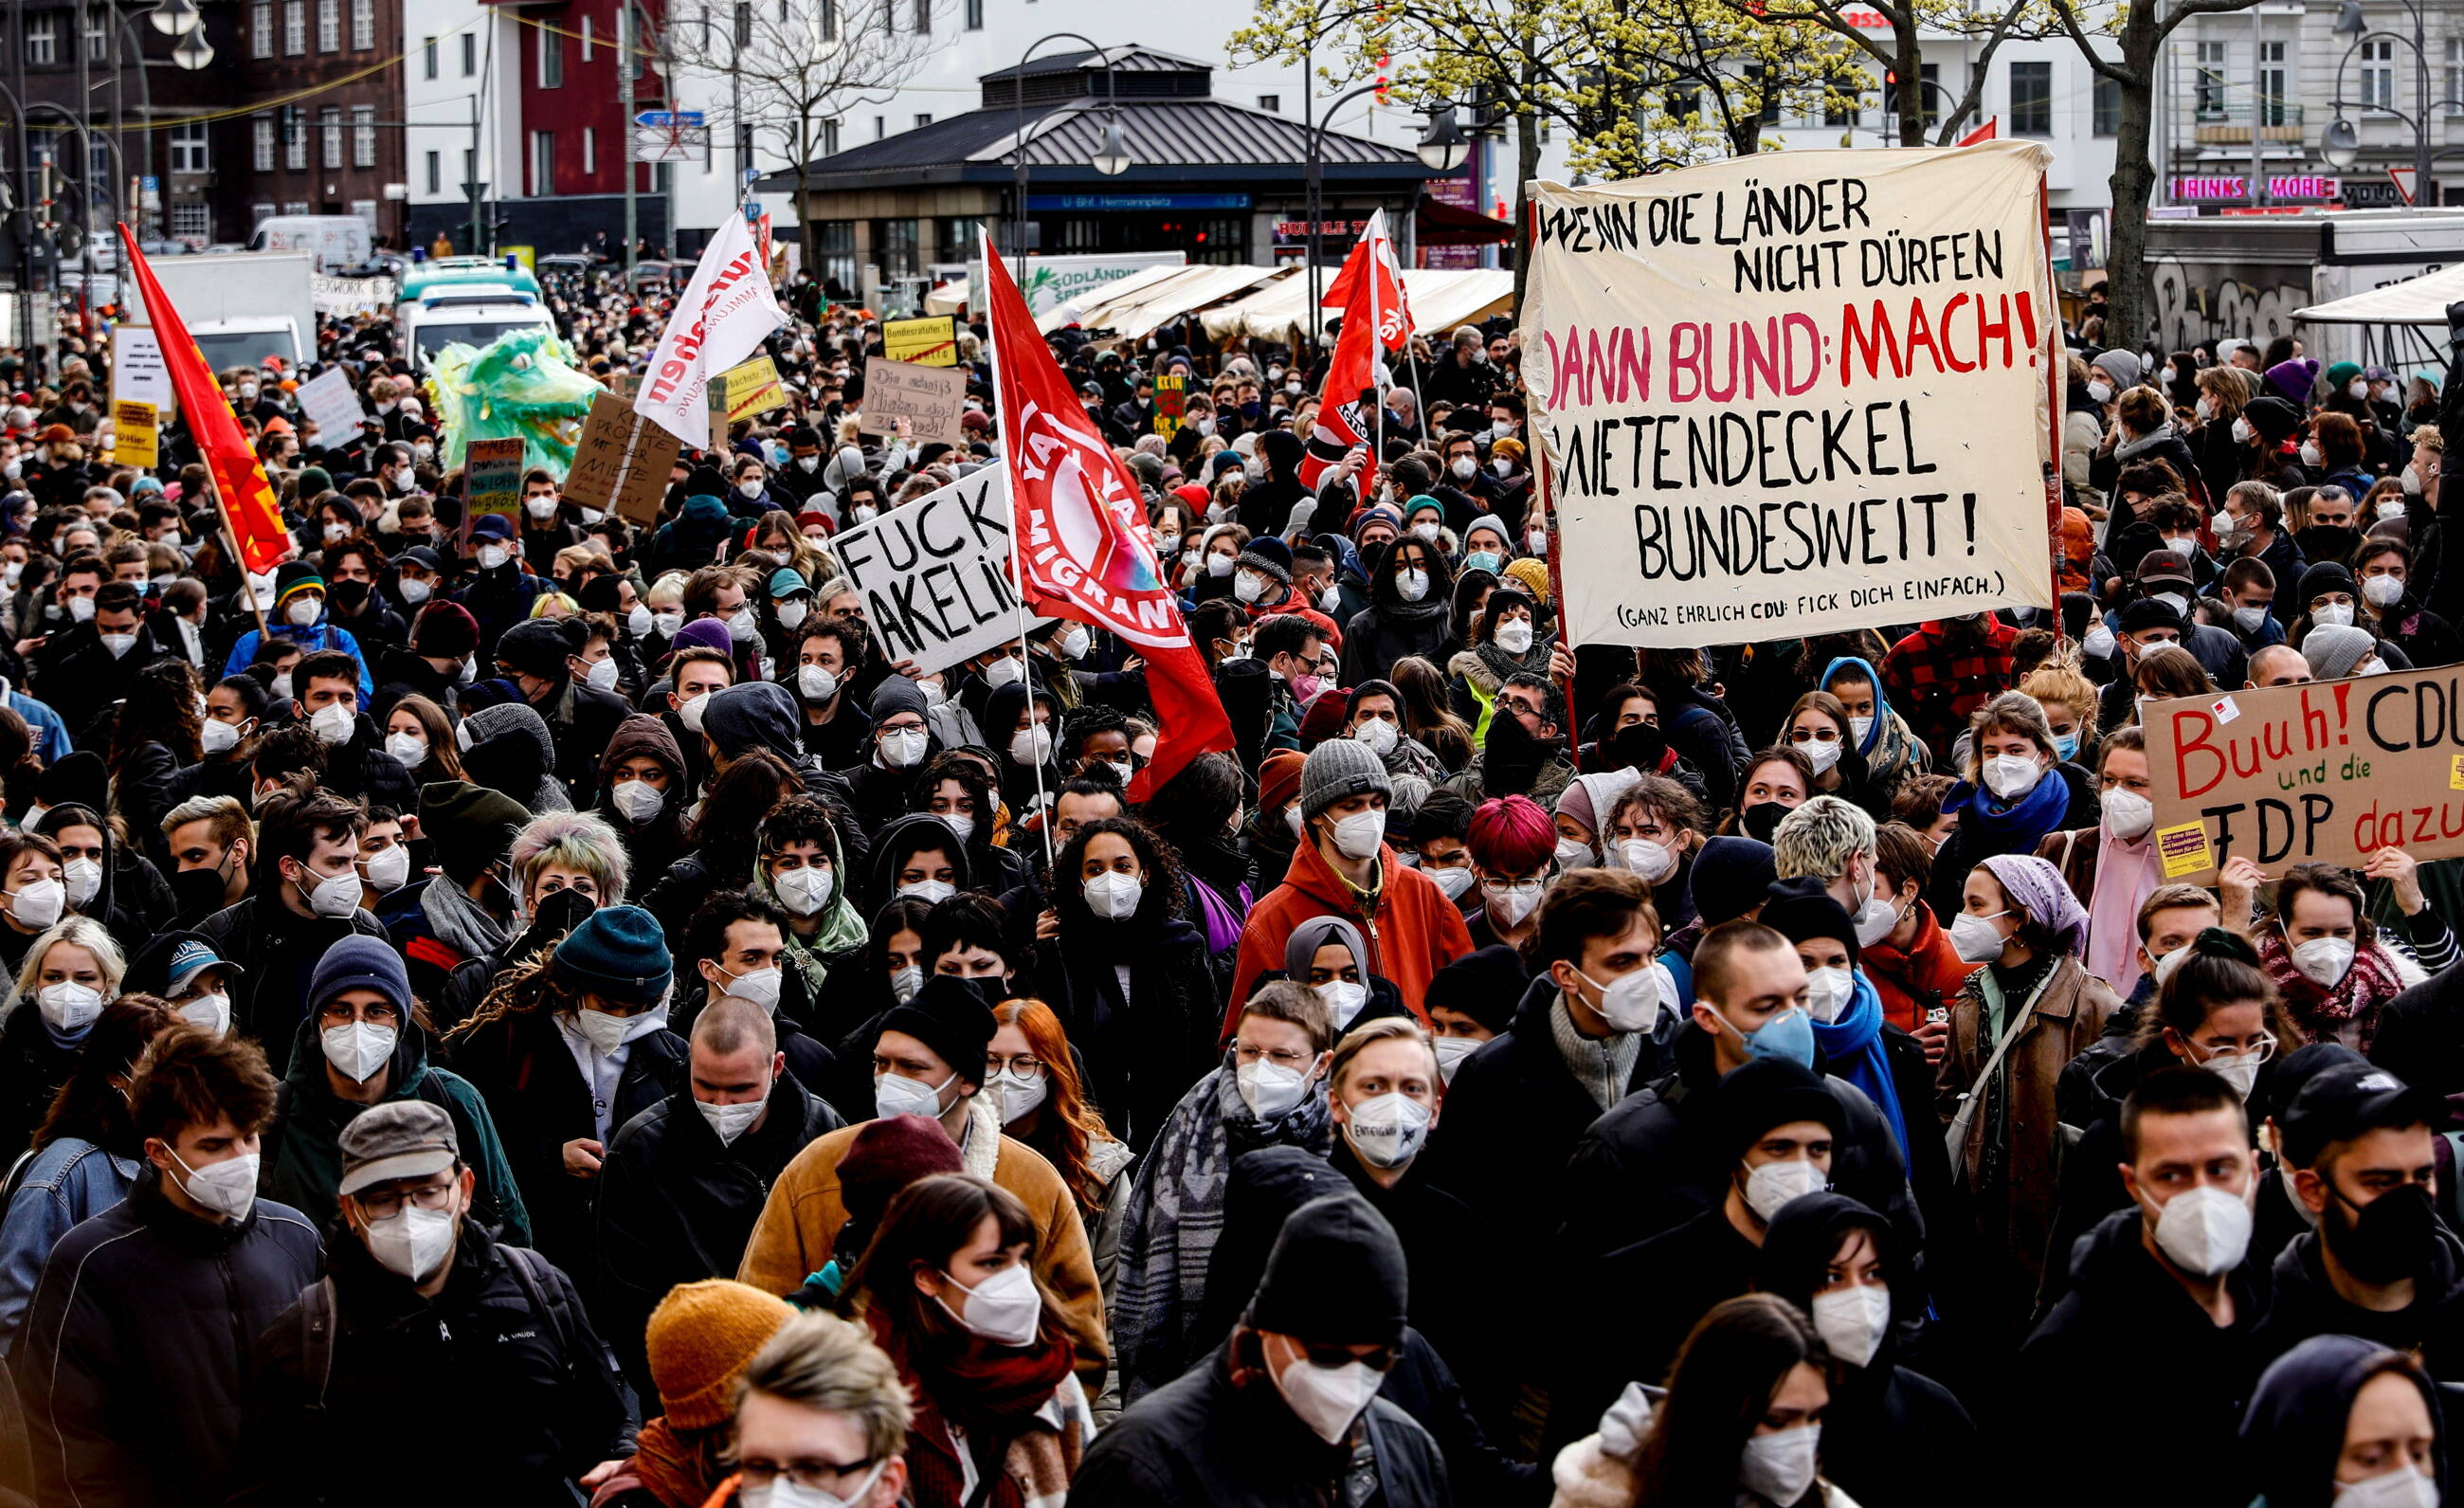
(1112,159)
(1441,146)
(193,52)
(2340,144)
(176,18)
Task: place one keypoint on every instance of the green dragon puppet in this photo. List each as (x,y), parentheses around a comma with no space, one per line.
(521,384)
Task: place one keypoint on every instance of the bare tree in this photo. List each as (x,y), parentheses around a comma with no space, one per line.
(794,67)
(1901,54)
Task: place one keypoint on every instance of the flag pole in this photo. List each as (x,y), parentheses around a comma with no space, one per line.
(1017,578)
(230,541)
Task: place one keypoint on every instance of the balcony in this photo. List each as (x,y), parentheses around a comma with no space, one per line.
(2231,124)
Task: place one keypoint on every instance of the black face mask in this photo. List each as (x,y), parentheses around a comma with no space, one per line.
(196,890)
(2321,541)
(1762,819)
(2385,1240)
(1640,746)
(1512,756)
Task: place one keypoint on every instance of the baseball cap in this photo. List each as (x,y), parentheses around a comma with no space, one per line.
(2350,1101)
(2164,565)
(191,957)
(399,1139)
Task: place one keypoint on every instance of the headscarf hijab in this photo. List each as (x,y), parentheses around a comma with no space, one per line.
(2037,888)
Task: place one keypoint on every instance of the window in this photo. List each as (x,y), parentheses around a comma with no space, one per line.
(98,165)
(590,151)
(895,245)
(1682,103)
(743,149)
(363,136)
(261,28)
(329,26)
(829,138)
(2211,87)
(2378,71)
(436,172)
(366,210)
(295,142)
(42,40)
(264,131)
(470,170)
(2454,90)
(2032,99)
(2275,90)
(329,125)
(836,248)
(542,164)
(743,24)
(191,220)
(98,34)
(2106,106)
(1840,110)
(585,39)
(830,10)
(428,56)
(1272,104)
(364,25)
(880,126)
(294,206)
(295,28)
(469,54)
(258,214)
(923,17)
(551,60)
(923,117)
(189,147)
(974,15)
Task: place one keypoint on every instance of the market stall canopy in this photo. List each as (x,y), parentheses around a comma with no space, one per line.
(1441,297)
(948,298)
(2416,301)
(1437,223)
(1135,306)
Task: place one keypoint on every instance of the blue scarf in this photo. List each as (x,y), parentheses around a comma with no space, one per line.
(1852,1050)
(1881,703)
(2010,828)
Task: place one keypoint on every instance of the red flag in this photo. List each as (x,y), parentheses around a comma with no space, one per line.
(1079,539)
(239,476)
(1373,291)
(1983,133)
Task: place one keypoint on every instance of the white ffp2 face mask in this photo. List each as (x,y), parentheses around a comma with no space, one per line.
(1853,1321)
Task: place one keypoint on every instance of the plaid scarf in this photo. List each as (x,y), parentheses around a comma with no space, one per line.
(2322,1012)
(992,1393)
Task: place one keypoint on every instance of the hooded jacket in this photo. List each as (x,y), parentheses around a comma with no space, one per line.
(2293,1434)
(1413,929)
(1390,628)
(907,835)
(2306,1303)
(1140,1051)
(1266,506)
(302,1151)
(655,844)
(2124,1303)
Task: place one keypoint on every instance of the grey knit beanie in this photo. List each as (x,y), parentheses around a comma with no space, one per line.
(1338,769)
(2332,649)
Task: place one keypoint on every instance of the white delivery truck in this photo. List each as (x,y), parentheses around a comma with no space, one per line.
(337,241)
(243,307)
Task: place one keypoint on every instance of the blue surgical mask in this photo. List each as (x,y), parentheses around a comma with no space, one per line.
(2066,745)
(1789,1034)
(1481,559)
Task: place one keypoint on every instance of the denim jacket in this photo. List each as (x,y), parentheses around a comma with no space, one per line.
(69,1181)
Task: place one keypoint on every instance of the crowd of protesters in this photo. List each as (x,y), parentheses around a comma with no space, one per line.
(569,984)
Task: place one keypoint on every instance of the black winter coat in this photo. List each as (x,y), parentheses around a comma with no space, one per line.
(537,1092)
(279,951)
(533,1396)
(676,1204)
(2421,1034)
(360,767)
(33,1068)
(1144,1054)
(1201,1441)
(137,1346)
(2305,1304)
(1653,1161)
(2122,1304)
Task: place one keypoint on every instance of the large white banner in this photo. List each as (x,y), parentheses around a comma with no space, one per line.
(726,310)
(1795,393)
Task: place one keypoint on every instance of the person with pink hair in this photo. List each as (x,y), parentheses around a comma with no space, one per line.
(1513,854)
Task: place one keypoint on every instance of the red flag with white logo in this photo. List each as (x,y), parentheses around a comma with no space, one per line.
(1374,315)
(1079,539)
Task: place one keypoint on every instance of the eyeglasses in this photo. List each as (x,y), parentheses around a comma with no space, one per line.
(375,1015)
(820,1476)
(384,1204)
(2259,1050)
(1025,1065)
(1281,1057)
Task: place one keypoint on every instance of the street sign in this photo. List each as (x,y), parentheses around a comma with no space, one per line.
(663,120)
(2407,180)
(671,144)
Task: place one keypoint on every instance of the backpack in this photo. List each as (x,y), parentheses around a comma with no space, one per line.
(321,1312)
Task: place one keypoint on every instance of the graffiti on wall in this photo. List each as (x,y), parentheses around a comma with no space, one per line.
(2207,300)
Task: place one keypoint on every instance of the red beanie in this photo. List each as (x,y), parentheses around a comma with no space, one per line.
(1511,835)
(1279,780)
(1322,718)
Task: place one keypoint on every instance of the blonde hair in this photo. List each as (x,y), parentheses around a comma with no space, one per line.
(84,932)
(2060,681)
(1383,1029)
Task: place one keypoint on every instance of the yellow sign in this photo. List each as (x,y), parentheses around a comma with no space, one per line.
(927,343)
(2185,850)
(133,435)
(521,254)
(751,388)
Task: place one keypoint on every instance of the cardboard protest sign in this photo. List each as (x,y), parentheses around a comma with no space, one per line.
(137,370)
(742,392)
(134,434)
(333,403)
(928,342)
(1797,393)
(935,573)
(1171,401)
(620,464)
(931,399)
(492,473)
(2329,771)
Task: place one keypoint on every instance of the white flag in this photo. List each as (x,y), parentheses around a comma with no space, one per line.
(726,310)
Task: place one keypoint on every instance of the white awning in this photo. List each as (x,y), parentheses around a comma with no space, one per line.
(1075,311)
(1441,297)
(2416,301)
(1139,310)
(949,298)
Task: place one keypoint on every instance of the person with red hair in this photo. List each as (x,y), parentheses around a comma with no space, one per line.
(1513,847)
